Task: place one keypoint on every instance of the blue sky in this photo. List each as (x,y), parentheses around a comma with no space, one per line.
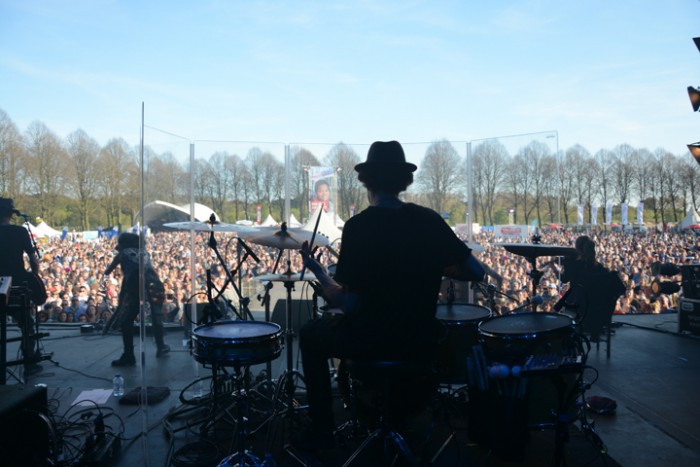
(600,73)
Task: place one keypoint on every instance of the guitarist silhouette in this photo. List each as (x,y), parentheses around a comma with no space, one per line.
(15,242)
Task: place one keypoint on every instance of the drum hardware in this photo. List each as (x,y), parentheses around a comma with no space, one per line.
(237,344)
(288,381)
(532,251)
(19,305)
(211,226)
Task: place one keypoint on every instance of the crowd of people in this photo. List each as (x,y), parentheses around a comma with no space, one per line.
(77,290)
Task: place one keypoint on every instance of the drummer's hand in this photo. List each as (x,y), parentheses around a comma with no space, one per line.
(308,256)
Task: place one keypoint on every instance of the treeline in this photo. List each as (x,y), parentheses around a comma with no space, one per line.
(78,183)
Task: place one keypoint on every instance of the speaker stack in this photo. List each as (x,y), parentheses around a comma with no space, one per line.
(689,302)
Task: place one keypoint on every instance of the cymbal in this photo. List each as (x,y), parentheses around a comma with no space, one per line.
(534,250)
(284,238)
(286,277)
(208,227)
(475,247)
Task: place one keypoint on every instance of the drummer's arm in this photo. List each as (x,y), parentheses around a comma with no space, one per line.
(471,269)
(335,294)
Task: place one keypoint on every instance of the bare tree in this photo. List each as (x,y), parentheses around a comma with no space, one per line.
(166,179)
(440,173)
(350,192)
(233,168)
(572,170)
(220,183)
(605,174)
(83,152)
(11,157)
(623,171)
(117,171)
(488,172)
(47,162)
(533,155)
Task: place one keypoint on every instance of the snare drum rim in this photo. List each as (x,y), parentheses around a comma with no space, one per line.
(238,340)
(460,321)
(529,333)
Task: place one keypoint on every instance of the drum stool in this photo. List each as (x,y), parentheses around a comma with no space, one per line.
(391,382)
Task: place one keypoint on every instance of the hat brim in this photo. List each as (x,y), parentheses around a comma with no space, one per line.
(378,166)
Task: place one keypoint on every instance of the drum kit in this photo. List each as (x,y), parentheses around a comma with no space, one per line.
(244,342)
(471,331)
(529,355)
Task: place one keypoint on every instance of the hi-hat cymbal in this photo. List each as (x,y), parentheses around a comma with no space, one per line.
(286,277)
(284,238)
(535,250)
(209,227)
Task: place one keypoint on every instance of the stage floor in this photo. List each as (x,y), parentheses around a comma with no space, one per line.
(653,375)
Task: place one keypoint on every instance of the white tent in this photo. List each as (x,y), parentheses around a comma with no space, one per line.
(326,226)
(294,222)
(690,219)
(269,222)
(33,230)
(47,230)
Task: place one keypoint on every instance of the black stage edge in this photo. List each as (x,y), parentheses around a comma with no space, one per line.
(653,375)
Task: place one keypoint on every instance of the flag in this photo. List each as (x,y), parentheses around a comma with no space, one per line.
(594,215)
(579,211)
(608,214)
(640,213)
(623,207)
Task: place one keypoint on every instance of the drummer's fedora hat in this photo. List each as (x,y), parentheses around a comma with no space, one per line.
(385,156)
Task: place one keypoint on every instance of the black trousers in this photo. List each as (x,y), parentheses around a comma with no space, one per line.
(319,340)
(127,326)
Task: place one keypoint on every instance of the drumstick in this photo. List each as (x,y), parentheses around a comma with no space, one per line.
(311,244)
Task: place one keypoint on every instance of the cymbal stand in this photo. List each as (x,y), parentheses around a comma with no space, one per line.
(265,300)
(535,275)
(286,385)
(229,280)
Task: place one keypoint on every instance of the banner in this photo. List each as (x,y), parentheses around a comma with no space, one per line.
(512,231)
(579,212)
(322,189)
(640,213)
(608,214)
(594,215)
(623,207)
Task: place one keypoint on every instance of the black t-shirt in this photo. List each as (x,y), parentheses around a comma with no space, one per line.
(14,242)
(393,259)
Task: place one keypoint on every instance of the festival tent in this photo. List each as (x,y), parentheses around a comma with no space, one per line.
(294,222)
(47,230)
(326,226)
(269,222)
(33,230)
(691,218)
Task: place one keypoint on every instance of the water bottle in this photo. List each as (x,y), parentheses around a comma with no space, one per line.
(118,385)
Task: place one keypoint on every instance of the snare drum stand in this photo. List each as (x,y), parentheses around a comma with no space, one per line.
(241,457)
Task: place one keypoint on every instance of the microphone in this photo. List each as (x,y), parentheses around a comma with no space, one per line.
(19,213)
(248,250)
(536,300)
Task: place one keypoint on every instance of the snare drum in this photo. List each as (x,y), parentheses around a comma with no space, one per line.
(461,321)
(512,338)
(232,343)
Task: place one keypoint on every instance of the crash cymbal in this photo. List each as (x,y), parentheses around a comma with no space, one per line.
(286,277)
(284,238)
(209,227)
(535,250)
(475,247)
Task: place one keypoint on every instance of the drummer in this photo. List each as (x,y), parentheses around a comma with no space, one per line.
(388,313)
